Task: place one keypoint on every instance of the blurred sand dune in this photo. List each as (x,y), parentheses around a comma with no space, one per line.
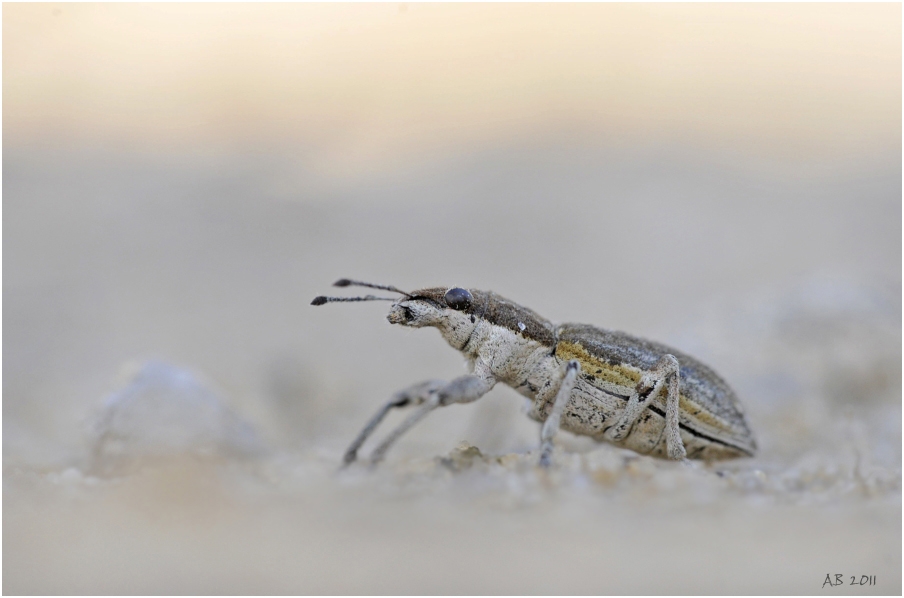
(352,89)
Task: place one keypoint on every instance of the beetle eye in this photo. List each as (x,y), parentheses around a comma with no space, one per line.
(459,299)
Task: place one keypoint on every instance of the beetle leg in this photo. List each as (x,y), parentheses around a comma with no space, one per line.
(461,390)
(651,382)
(413,395)
(551,425)
(673,443)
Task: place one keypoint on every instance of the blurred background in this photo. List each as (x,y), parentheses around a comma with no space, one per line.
(179,181)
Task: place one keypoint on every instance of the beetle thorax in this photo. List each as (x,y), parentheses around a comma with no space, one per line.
(459,330)
(509,355)
(503,335)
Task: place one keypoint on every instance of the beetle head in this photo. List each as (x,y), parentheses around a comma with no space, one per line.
(451,310)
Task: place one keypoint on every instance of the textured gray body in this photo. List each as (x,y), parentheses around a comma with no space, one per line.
(608,385)
(527,352)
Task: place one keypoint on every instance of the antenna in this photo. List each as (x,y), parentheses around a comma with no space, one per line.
(321,299)
(345,282)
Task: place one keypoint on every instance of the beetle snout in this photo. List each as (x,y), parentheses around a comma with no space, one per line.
(400,314)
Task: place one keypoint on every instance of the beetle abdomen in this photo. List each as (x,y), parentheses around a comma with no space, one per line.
(612,362)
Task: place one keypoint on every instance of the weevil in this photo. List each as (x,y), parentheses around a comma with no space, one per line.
(591,381)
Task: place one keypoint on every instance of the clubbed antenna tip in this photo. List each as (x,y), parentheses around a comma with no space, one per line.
(319,300)
(342,282)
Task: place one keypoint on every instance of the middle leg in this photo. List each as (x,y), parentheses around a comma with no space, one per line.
(551,425)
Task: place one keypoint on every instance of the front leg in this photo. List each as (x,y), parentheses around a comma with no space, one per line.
(413,395)
(664,372)
(461,390)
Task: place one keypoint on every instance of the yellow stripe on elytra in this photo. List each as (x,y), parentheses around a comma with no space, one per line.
(627,377)
(621,375)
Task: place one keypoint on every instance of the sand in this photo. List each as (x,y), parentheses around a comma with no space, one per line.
(175,412)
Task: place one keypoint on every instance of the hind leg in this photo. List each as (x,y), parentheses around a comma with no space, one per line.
(665,372)
(673,443)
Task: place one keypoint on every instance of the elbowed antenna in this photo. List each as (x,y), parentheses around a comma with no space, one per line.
(345,282)
(321,299)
